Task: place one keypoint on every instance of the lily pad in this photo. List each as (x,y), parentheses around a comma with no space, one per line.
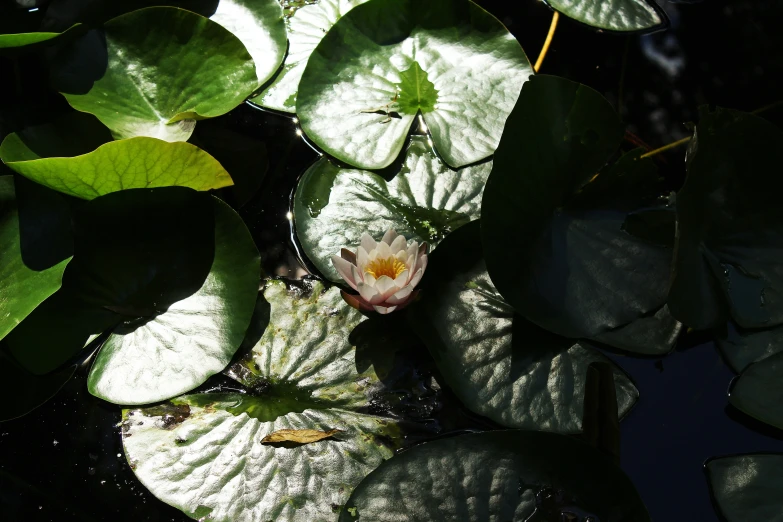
(385,61)
(306,24)
(747,487)
(423,200)
(496,362)
(205,453)
(614,15)
(22,287)
(156,82)
(759,391)
(21,40)
(509,475)
(195,337)
(555,226)
(742,348)
(730,220)
(38,154)
(257,23)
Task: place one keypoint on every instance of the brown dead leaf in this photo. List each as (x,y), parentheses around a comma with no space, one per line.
(298,436)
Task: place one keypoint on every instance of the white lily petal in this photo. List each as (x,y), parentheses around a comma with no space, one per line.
(413,248)
(358,277)
(401,256)
(422,249)
(369,279)
(398,244)
(383,251)
(368,293)
(384,309)
(389,236)
(410,263)
(385,286)
(368,243)
(422,262)
(362,258)
(416,278)
(401,296)
(402,279)
(345,269)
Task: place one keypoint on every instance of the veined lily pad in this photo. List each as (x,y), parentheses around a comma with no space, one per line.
(496,362)
(387,60)
(157,81)
(307,23)
(41,154)
(509,475)
(563,240)
(614,15)
(196,337)
(730,222)
(759,391)
(423,200)
(257,23)
(747,488)
(22,287)
(742,348)
(205,453)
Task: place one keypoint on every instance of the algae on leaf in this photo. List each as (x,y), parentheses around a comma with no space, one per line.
(386,60)
(211,454)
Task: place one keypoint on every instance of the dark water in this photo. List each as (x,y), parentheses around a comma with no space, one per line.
(64,461)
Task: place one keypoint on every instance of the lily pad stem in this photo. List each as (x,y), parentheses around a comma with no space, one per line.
(666,147)
(547,42)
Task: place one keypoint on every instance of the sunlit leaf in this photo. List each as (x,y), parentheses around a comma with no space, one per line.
(386,60)
(423,199)
(614,15)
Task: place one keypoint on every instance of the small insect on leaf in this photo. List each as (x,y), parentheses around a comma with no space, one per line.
(298,436)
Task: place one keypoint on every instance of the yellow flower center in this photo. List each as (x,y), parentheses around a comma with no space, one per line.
(391,267)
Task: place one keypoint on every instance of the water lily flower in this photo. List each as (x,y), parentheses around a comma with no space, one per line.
(385,273)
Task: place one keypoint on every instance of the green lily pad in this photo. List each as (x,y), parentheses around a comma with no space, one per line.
(22,287)
(195,337)
(47,155)
(614,15)
(727,264)
(387,60)
(306,24)
(257,23)
(747,488)
(423,200)
(509,475)
(741,347)
(156,82)
(496,362)
(555,226)
(19,40)
(759,391)
(302,374)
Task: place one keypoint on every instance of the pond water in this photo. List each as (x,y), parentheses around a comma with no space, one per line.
(65,460)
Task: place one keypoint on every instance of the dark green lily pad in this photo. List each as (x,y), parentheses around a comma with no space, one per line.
(302,374)
(423,200)
(555,223)
(387,60)
(499,475)
(306,24)
(496,362)
(730,221)
(747,488)
(195,337)
(156,82)
(759,391)
(741,347)
(85,165)
(23,287)
(614,15)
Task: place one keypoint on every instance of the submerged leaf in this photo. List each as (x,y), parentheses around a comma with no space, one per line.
(423,200)
(385,60)
(299,436)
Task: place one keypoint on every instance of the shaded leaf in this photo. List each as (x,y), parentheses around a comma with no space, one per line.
(747,488)
(503,475)
(729,225)
(386,59)
(759,391)
(554,232)
(424,200)
(497,363)
(742,347)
